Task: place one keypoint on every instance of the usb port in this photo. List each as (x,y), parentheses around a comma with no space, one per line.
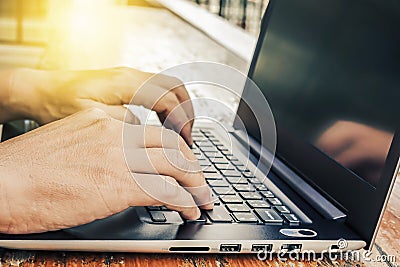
(261,247)
(291,248)
(230,247)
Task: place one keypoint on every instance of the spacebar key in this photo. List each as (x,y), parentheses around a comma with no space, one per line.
(219,214)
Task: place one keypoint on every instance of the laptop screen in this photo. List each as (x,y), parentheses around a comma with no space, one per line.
(331,73)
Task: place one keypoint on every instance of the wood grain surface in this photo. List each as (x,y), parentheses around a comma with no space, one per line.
(154,39)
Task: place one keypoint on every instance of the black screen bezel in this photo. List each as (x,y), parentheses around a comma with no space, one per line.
(362,202)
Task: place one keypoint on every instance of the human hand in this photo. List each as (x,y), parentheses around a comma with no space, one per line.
(357,146)
(350,142)
(79,169)
(46,96)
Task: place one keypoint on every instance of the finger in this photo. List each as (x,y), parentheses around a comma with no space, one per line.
(334,140)
(166,191)
(172,163)
(118,112)
(352,156)
(167,106)
(176,86)
(184,98)
(172,119)
(155,137)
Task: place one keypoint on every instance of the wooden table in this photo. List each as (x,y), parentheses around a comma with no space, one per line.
(155,39)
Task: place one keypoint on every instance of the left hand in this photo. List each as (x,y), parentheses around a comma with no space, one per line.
(46,96)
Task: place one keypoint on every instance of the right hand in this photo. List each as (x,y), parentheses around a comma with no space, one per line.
(74,171)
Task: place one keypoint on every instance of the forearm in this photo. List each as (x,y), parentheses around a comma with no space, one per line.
(5,84)
(19,93)
(6,176)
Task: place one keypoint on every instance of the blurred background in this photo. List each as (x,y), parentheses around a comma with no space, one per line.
(76,34)
(150,35)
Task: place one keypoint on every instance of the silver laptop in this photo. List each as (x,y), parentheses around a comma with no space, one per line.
(329,70)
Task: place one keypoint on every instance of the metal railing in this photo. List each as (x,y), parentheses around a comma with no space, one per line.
(14,16)
(246,14)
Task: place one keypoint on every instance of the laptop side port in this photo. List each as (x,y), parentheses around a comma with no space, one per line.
(189,249)
(288,248)
(261,247)
(230,247)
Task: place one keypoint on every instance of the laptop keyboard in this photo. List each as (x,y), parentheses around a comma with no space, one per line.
(241,197)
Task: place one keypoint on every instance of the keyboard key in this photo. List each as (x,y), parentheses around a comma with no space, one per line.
(282,209)
(245,217)
(202,219)
(220,161)
(237,180)
(219,214)
(204,163)
(244,188)
(230,157)
(254,180)
(274,201)
(212,155)
(197,135)
(205,131)
(153,207)
(261,187)
(250,195)
(197,152)
(209,169)
(216,200)
(237,163)
(267,194)
(213,176)
(230,173)
(219,145)
(291,219)
(209,149)
(242,168)
(237,208)
(204,143)
(213,139)
(261,204)
(157,216)
(224,191)
(218,183)
(224,167)
(269,216)
(231,199)
(248,174)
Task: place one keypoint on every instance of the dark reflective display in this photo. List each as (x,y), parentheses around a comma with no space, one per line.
(331,72)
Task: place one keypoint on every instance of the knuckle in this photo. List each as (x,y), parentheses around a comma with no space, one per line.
(123,69)
(96,113)
(179,161)
(171,134)
(171,188)
(104,122)
(175,81)
(170,99)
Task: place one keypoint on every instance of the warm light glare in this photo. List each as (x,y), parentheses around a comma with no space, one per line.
(83,31)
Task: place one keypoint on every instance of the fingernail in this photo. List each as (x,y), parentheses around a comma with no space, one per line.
(198,213)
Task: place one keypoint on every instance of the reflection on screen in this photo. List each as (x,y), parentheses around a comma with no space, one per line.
(331,72)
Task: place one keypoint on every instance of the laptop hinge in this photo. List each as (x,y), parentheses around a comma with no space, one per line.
(298,184)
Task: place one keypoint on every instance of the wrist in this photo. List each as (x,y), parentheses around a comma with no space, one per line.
(6,176)
(25,95)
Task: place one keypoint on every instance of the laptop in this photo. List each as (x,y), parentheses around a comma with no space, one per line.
(329,70)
